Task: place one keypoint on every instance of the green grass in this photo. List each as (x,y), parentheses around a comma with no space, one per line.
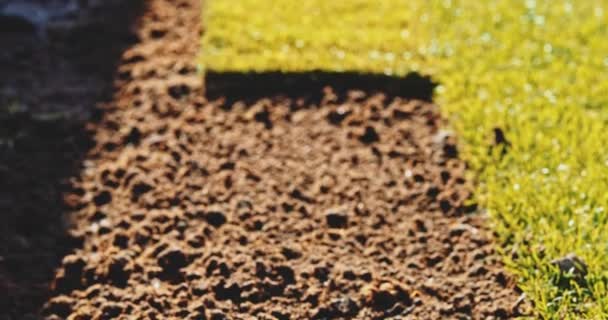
(252,35)
(538,70)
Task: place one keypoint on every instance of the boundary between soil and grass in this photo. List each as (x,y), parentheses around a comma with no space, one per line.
(246,86)
(524,84)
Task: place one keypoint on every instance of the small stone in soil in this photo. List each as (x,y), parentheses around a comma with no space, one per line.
(571,263)
(344,306)
(386,295)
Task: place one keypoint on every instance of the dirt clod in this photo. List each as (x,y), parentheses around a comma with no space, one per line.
(571,263)
(344,306)
(570,267)
(385,295)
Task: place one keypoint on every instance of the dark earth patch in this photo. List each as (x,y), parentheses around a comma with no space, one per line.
(53,74)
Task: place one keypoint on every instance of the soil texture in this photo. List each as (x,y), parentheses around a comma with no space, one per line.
(333,204)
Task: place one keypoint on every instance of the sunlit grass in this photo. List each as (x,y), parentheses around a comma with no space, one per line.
(537,70)
(307,35)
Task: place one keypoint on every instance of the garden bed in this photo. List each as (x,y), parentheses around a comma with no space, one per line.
(328,201)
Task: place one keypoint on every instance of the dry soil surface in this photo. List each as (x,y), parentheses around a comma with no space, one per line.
(341,204)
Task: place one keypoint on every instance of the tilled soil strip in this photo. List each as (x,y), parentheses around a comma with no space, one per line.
(348,206)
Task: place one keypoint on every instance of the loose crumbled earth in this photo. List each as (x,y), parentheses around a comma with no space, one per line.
(341,204)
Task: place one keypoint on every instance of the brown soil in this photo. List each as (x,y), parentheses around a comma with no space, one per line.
(344,204)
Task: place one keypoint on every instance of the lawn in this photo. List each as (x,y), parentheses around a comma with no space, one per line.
(533,71)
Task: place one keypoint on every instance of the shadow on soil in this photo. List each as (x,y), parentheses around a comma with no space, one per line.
(53,80)
(252,86)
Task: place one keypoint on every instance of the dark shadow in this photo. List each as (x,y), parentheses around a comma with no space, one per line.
(252,86)
(54,79)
